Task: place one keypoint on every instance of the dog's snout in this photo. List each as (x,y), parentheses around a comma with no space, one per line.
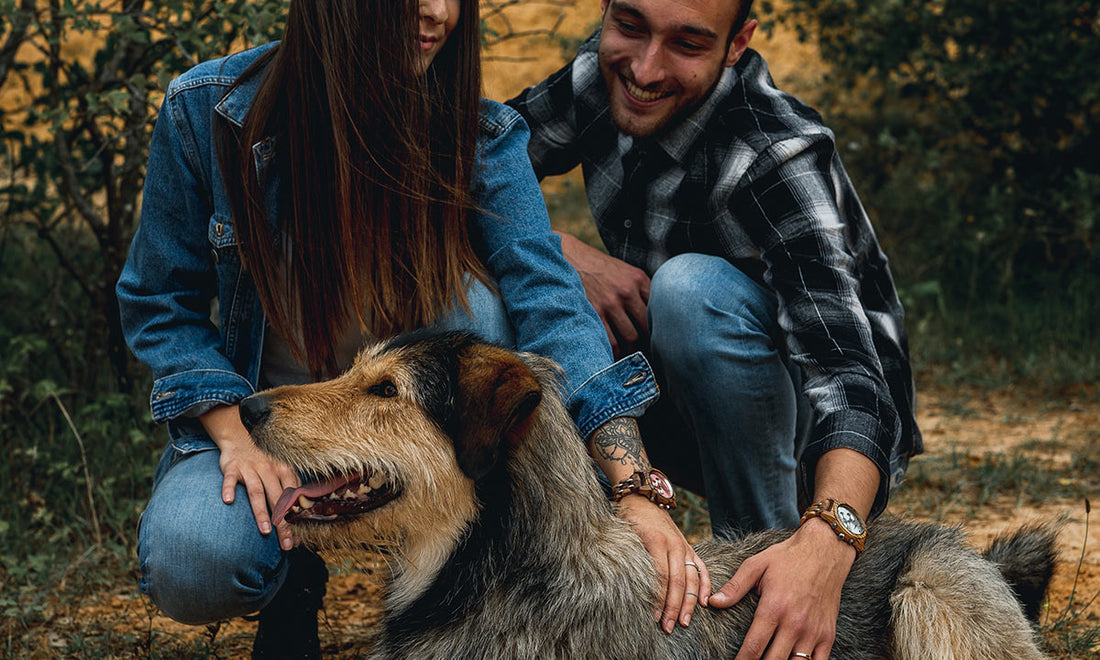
(254,410)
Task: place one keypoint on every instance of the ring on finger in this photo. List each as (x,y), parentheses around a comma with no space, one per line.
(796,654)
(693,565)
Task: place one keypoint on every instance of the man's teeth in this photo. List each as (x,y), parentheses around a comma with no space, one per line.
(641,94)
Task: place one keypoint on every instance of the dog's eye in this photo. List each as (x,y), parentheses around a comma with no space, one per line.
(384,389)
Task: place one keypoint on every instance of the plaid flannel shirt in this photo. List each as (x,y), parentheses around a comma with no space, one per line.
(753,176)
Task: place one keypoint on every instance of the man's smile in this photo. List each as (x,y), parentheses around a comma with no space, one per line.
(640,94)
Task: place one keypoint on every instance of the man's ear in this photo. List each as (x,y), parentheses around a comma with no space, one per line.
(740,42)
(494,405)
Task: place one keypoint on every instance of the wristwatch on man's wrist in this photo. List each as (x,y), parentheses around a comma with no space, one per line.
(651,484)
(843,518)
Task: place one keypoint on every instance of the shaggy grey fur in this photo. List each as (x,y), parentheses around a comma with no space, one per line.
(547,570)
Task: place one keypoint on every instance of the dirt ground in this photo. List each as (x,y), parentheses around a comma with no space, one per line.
(964,430)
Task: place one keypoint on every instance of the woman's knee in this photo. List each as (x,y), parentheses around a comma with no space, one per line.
(203,560)
(487,316)
(197,577)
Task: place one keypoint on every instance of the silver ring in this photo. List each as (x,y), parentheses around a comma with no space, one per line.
(796,654)
(693,565)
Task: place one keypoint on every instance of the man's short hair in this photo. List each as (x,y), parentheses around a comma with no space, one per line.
(739,22)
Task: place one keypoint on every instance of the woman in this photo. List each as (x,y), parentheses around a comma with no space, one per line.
(344,184)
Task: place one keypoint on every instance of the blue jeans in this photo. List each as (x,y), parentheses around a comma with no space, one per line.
(732,420)
(203,560)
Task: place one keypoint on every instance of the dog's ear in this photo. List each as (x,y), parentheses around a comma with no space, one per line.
(495,403)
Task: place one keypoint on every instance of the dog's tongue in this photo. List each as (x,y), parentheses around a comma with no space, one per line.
(313,490)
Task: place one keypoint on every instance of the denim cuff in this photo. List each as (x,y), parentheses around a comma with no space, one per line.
(175,395)
(624,389)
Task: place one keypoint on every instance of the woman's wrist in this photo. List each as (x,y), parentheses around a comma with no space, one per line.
(223,425)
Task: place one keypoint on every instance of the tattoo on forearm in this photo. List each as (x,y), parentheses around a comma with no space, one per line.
(619,441)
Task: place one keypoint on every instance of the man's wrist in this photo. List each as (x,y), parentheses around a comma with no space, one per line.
(842,519)
(822,536)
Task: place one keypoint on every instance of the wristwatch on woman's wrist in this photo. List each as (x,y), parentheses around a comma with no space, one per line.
(651,484)
(843,518)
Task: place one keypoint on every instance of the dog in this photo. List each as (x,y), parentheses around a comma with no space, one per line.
(459,460)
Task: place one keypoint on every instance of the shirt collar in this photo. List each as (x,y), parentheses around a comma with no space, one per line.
(679,139)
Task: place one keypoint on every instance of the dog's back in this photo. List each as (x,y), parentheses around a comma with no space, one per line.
(918,592)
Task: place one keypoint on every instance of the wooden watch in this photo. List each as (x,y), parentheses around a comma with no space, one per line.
(843,518)
(651,484)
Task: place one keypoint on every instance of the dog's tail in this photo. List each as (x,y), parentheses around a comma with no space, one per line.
(1026,559)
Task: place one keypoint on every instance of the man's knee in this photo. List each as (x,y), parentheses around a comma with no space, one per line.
(699,302)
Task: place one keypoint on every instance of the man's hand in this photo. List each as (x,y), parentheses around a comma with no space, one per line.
(618,291)
(242,462)
(799,583)
(684,586)
(799,580)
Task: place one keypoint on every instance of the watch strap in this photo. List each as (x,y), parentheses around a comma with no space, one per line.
(651,484)
(827,510)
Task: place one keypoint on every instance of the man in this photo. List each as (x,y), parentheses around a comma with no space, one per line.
(740,259)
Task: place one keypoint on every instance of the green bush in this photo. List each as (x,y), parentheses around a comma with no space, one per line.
(971,129)
(81,84)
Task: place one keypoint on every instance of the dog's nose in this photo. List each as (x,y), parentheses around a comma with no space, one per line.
(254,410)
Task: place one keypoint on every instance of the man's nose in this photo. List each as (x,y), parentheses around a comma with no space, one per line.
(649,67)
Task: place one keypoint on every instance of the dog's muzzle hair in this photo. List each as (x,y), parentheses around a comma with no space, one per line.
(460,459)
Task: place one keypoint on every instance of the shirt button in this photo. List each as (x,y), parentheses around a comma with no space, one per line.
(628,224)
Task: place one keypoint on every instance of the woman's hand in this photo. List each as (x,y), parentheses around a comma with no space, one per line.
(684,585)
(242,462)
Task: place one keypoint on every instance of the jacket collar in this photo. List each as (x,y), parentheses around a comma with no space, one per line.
(235,104)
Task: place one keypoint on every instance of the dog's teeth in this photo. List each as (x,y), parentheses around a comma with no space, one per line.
(296,509)
(364,489)
(304,502)
(376,481)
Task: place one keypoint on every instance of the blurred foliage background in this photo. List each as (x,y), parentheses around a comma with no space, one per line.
(969,127)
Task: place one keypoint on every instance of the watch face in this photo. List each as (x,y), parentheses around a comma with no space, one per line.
(850,520)
(660,484)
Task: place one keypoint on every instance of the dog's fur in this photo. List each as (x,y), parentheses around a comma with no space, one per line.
(504,544)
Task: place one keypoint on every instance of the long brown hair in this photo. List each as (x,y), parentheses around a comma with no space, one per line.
(374,159)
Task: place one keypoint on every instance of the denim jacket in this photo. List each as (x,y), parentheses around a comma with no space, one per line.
(192,314)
